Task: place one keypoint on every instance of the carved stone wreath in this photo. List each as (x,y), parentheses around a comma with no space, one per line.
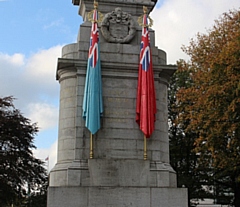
(118,26)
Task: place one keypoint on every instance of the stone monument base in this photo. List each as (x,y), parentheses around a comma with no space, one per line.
(116,183)
(116,197)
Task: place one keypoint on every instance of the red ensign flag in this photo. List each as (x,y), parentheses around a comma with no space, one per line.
(146,100)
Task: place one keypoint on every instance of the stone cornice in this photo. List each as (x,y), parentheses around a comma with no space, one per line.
(106,6)
(117,70)
(152,2)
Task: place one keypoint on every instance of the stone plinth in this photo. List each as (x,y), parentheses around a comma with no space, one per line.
(118,197)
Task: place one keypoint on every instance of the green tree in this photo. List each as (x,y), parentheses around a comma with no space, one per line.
(38,198)
(20,171)
(212,101)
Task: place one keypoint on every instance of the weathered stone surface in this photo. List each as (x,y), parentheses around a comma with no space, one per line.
(117,197)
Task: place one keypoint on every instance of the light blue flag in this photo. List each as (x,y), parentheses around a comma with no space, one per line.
(92,101)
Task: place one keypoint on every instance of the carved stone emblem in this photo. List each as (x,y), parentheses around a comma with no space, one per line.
(118,26)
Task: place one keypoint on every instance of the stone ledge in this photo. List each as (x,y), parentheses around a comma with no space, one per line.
(113,172)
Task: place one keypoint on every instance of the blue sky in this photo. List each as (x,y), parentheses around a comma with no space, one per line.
(27,26)
(32,34)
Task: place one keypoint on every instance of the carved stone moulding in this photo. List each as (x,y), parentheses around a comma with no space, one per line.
(118,26)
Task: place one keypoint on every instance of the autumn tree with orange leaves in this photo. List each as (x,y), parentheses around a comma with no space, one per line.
(183,158)
(212,100)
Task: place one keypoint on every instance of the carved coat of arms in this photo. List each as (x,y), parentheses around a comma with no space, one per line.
(118,26)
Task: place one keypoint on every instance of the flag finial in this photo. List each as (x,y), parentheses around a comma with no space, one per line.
(145,9)
(91,14)
(95,4)
(145,15)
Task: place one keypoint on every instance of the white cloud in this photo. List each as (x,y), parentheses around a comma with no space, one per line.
(176,22)
(15,60)
(32,82)
(44,114)
(41,66)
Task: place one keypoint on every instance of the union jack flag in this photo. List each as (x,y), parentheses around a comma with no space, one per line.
(93,50)
(145,56)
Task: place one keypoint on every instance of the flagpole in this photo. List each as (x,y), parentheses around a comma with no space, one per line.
(145,148)
(48,164)
(47,159)
(91,146)
(145,107)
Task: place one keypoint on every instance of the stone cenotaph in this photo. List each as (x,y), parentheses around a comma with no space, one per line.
(117,175)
